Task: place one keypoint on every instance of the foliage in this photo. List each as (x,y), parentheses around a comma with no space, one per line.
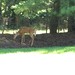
(66,8)
(40,10)
(32,8)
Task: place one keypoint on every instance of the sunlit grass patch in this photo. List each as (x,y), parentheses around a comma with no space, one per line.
(56,50)
(64,49)
(44,50)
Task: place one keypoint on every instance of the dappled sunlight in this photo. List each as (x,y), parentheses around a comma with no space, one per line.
(42,31)
(37,32)
(14,31)
(55,50)
(44,50)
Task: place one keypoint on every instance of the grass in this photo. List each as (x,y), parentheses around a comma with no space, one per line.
(44,50)
(30,64)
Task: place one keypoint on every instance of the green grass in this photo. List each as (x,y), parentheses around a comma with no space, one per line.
(45,50)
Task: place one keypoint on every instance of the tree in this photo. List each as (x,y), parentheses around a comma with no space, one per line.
(49,11)
(32,9)
(0,13)
(71,17)
(68,10)
(54,17)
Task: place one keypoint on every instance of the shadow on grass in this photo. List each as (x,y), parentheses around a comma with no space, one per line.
(44,50)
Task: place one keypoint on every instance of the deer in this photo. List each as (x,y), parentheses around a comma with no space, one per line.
(26,30)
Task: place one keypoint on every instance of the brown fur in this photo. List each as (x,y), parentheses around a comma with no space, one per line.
(23,30)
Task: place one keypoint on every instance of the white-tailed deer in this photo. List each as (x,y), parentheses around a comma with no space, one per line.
(26,30)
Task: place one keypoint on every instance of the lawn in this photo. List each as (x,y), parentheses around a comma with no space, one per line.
(55,60)
(33,63)
(38,61)
(44,50)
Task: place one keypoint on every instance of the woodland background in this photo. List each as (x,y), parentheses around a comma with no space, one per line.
(53,15)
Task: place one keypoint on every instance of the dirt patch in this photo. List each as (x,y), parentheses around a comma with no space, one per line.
(41,40)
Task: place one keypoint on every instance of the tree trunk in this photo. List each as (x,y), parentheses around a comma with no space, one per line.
(0,14)
(71,19)
(71,24)
(53,25)
(54,17)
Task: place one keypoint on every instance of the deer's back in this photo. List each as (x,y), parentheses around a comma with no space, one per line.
(26,30)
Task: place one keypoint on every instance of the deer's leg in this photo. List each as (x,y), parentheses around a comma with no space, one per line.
(15,36)
(32,39)
(23,40)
